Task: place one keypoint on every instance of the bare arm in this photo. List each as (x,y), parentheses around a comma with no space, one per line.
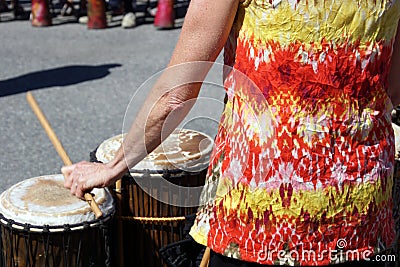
(204,33)
(394,74)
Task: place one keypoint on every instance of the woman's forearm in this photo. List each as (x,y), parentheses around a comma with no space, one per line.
(206,28)
(158,117)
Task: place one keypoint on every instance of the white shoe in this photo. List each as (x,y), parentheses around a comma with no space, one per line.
(83,20)
(129,20)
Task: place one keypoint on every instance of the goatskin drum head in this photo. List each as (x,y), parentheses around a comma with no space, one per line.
(183,149)
(44,200)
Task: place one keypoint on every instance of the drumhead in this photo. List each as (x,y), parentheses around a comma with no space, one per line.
(44,200)
(184,149)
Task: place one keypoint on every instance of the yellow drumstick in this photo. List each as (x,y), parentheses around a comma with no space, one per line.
(58,146)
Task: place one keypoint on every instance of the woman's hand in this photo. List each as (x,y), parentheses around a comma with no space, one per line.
(82,177)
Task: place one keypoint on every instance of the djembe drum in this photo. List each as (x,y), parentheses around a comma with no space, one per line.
(149,224)
(42,224)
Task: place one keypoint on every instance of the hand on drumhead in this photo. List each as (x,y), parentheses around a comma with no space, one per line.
(82,177)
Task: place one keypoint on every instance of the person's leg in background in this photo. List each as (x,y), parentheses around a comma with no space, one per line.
(125,8)
(82,8)
(19,12)
(68,8)
(129,18)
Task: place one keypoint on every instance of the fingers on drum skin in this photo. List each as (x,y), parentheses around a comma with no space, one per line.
(66,171)
(73,187)
(79,192)
(77,189)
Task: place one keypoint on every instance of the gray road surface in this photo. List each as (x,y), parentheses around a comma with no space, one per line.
(83,80)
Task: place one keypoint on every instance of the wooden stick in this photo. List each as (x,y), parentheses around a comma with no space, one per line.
(59,148)
(206,258)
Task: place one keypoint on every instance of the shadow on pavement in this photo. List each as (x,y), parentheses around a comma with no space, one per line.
(62,76)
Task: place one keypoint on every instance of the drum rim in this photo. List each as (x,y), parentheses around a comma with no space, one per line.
(163,172)
(54,228)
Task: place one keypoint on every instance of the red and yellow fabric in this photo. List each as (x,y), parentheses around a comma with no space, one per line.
(304,157)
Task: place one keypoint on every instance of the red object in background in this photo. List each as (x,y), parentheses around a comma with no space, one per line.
(96,14)
(40,13)
(165,15)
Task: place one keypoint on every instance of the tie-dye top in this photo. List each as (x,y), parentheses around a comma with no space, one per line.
(302,169)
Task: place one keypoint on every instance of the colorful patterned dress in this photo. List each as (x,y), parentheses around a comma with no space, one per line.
(302,169)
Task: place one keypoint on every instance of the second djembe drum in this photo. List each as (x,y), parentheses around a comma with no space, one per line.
(152,214)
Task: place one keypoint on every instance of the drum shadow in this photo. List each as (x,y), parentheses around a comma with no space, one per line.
(62,76)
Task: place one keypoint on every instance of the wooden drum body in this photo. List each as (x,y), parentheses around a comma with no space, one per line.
(42,224)
(152,214)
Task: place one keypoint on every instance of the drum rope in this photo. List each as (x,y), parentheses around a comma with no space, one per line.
(107,245)
(11,224)
(152,219)
(66,243)
(166,173)
(46,243)
(24,233)
(78,257)
(27,238)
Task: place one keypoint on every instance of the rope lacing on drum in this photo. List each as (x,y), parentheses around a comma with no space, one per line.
(86,226)
(46,242)
(152,219)
(27,238)
(67,228)
(166,174)
(13,228)
(107,244)
(10,223)
(27,228)
(46,229)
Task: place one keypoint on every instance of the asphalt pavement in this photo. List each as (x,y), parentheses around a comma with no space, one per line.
(83,81)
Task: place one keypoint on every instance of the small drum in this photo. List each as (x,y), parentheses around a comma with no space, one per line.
(42,224)
(152,213)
